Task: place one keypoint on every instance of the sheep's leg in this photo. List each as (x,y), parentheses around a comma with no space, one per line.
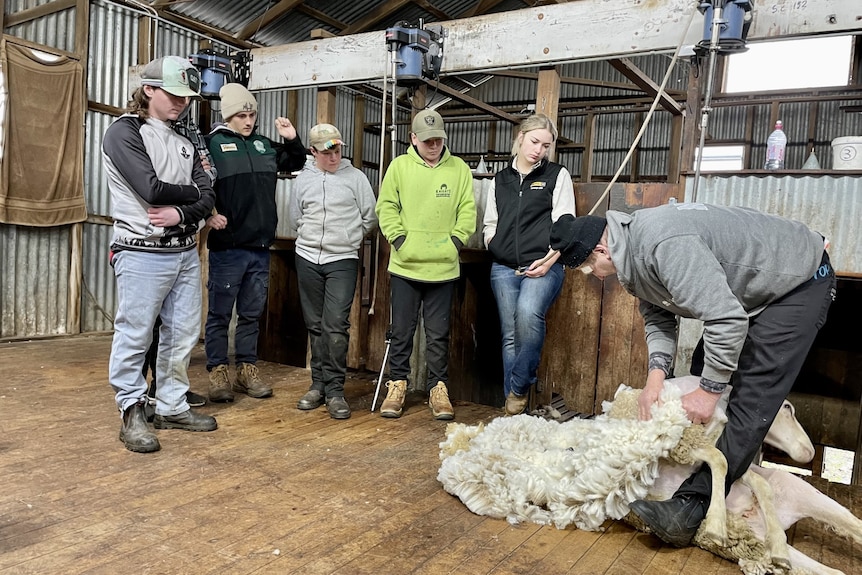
(804,564)
(796,499)
(715,524)
(776,538)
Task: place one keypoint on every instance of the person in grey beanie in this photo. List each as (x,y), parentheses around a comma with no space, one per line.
(243,229)
(761,284)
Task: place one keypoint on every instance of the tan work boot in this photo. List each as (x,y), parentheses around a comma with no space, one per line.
(219,390)
(248,381)
(438,402)
(516,404)
(393,405)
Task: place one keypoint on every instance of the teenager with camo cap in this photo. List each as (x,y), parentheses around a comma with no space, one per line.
(160,196)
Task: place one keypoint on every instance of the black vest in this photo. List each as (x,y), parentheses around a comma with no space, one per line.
(524,214)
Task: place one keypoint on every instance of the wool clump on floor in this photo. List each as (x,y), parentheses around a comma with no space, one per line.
(581,472)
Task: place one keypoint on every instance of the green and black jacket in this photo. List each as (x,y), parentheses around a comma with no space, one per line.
(245,189)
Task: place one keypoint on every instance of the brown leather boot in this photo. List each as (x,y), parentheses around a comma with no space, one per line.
(135,434)
(220,384)
(248,381)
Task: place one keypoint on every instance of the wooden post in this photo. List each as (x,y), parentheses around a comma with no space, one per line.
(145,40)
(589,146)
(548,98)
(358,132)
(326,105)
(691,124)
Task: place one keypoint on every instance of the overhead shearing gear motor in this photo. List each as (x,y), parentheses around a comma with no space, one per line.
(419,52)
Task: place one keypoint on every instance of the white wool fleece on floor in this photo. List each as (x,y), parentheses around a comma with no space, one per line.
(583,471)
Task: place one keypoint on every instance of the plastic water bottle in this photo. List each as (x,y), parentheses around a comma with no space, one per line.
(775,145)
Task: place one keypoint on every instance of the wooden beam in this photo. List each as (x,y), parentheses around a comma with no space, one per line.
(162,3)
(326,105)
(104,108)
(204,29)
(548,98)
(443,88)
(379,13)
(82,33)
(481,7)
(318,15)
(274,13)
(318,33)
(574,31)
(38,12)
(628,69)
(570,80)
(146,45)
(358,142)
(431,9)
(39,47)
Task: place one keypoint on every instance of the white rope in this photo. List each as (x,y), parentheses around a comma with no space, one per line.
(649,115)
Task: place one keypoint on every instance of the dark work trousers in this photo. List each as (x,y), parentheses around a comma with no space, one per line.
(435,300)
(326,294)
(236,277)
(775,348)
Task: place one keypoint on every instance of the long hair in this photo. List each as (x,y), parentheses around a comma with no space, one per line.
(530,123)
(139,104)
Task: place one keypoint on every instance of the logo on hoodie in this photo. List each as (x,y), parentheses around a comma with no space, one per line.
(444,192)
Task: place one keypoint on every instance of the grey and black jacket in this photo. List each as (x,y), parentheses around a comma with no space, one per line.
(149,165)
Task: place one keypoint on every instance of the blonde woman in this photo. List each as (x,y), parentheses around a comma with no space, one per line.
(525,199)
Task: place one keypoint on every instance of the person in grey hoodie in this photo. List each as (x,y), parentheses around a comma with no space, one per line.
(332,210)
(761,284)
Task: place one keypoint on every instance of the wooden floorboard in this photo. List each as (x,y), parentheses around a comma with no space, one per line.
(275,490)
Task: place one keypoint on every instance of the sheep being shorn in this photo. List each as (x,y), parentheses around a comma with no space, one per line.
(524,468)
(585,471)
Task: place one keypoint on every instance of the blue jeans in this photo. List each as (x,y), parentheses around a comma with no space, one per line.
(150,285)
(522,303)
(326,295)
(237,277)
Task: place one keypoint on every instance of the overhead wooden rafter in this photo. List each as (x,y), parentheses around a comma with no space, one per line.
(627,68)
(478,104)
(280,9)
(38,12)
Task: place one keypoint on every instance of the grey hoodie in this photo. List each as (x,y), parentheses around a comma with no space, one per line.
(717,264)
(331,212)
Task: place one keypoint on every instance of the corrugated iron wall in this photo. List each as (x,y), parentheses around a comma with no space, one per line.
(34,273)
(832,205)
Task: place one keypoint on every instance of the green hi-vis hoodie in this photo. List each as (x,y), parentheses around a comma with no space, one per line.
(428,206)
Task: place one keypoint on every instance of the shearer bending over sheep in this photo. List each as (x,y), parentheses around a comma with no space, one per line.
(761,284)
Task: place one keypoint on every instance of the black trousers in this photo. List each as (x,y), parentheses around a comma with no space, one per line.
(775,349)
(435,300)
(326,295)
